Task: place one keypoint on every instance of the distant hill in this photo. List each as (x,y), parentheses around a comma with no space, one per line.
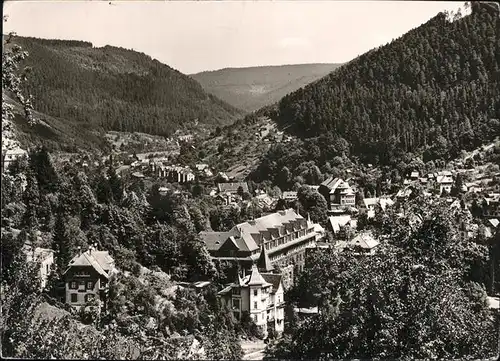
(117,89)
(255,87)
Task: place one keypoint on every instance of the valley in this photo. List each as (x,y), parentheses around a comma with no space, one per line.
(303,211)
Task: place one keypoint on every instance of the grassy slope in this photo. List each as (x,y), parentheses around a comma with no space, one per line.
(255,87)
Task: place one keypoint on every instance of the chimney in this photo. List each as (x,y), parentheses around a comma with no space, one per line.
(90,249)
(79,250)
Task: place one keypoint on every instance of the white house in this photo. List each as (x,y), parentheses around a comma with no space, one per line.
(45,257)
(10,155)
(259,294)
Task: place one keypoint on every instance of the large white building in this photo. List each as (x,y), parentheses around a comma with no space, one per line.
(284,235)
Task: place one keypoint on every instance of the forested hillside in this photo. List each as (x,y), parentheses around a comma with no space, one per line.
(434,91)
(255,87)
(116,89)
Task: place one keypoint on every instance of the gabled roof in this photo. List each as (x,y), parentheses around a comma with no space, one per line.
(494,222)
(214,240)
(232,187)
(338,221)
(444,179)
(385,202)
(365,241)
(274,279)
(250,235)
(331,183)
(101,261)
(370,201)
(256,278)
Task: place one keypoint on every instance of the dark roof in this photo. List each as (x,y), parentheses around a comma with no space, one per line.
(232,187)
(272,278)
(213,240)
(331,182)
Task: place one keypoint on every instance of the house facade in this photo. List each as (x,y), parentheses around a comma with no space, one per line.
(87,276)
(10,155)
(45,258)
(283,235)
(338,193)
(261,295)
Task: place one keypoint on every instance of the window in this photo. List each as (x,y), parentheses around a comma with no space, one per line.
(74,298)
(90,285)
(236,303)
(73,285)
(255,305)
(255,292)
(263,316)
(235,291)
(47,268)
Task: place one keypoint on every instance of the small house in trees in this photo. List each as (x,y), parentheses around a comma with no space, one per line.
(342,226)
(232,188)
(364,243)
(289,196)
(10,155)
(87,276)
(338,193)
(491,206)
(260,295)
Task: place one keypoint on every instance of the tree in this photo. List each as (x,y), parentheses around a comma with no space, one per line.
(457,186)
(115,185)
(423,273)
(13,80)
(61,242)
(41,165)
(31,199)
(312,203)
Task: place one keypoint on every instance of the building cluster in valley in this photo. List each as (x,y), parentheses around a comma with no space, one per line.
(270,251)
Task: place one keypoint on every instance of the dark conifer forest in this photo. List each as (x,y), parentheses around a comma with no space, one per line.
(116,89)
(433,91)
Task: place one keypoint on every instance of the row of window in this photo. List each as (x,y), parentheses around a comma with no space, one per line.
(282,240)
(88,297)
(73,285)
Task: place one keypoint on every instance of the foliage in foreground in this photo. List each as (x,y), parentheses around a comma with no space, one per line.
(421,296)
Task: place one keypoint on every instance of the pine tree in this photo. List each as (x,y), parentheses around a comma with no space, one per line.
(44,171)
(61,242)
(31,199)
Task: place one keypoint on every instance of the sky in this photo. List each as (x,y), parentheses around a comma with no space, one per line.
(194,36)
